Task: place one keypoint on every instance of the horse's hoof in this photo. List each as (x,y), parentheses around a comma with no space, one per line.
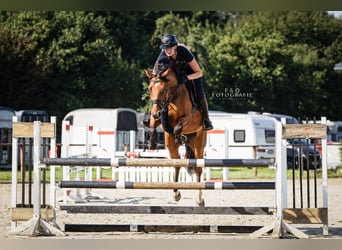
(200,203)
(181,140)
(177,196)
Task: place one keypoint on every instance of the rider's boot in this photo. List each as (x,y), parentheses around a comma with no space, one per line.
(190,88)
(207,125)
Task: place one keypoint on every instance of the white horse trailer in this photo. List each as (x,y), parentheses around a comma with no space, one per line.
(241,136)
(6,118)
(104,130)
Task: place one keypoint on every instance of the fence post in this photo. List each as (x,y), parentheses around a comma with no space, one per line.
(14,173)
(325,175)
(53,168)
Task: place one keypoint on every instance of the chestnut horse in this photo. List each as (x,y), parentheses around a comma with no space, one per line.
(172,108)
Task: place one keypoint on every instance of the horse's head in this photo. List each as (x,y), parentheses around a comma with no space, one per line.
(159,88)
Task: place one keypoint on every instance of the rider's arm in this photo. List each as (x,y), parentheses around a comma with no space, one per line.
(196,68)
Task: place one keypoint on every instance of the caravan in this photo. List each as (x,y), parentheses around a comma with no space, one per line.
(241,136)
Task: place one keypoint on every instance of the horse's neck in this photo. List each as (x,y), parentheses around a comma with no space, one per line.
(172,80)
(180,95)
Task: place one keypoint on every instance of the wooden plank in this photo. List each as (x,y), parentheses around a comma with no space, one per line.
(25,214)
(47,130)
(22,129)
(165,209)
(294,231)
(306,215)
(25,130)
(306,131)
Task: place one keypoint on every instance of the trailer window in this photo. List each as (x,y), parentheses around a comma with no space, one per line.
(70,119)
(270,136)
(339,129)
(127,121)
(239,135)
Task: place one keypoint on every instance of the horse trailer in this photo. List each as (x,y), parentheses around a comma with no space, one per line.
(241,136)
(109,130)
(6,118)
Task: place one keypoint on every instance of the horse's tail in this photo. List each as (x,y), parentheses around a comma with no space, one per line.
(189,154)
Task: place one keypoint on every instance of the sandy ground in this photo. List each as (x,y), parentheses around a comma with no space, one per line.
(252,198)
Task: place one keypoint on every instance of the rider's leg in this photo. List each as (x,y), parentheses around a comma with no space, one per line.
(192,94)
(202,101)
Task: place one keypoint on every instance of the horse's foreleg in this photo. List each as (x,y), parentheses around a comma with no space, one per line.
(153,141)
(176,195)
(173,153)
(177,131)
(200,200)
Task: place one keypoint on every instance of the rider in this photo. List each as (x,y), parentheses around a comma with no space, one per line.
(187,69)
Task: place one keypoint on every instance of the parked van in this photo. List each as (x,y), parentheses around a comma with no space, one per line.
(241,136)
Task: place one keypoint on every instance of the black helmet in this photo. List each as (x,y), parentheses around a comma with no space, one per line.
(168,41)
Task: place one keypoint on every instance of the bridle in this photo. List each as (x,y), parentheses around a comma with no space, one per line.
(162,104)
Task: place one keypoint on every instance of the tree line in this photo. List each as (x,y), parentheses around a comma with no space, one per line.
(279,62)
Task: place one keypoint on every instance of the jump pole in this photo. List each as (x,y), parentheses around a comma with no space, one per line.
(169,185)
(136,162)
(122,209)
(159,228)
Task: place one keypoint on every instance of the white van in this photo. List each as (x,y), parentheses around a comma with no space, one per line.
(240,136)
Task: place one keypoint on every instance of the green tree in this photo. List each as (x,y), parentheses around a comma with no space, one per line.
(60,61)
(285,59)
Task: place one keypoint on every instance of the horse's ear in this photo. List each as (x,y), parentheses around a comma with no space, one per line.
(148,73)
(166,72)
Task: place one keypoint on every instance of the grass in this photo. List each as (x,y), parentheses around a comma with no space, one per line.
(215,173)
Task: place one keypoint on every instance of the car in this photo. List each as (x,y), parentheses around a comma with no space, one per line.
(310,154)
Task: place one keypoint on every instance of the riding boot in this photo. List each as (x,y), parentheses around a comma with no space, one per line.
(207,125)
(190,88)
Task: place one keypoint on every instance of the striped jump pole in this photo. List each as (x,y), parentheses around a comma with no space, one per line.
(167,185)
(136,162)
(159,228)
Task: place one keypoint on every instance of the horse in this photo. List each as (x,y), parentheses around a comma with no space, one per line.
(172,110)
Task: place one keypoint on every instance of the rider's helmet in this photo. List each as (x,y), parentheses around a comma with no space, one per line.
(168,41)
